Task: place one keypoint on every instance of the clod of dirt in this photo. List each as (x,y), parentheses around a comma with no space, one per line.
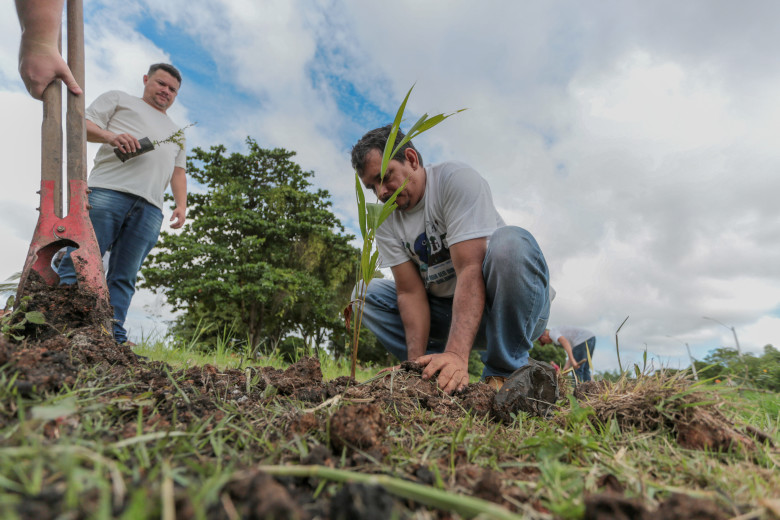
(684,507)
(610,483)
(358,426)
(532,389)
(303,380)
(488,487)
(705,431)
(609,506)
(477,398)
(65,307)
(259,495)
(356,500)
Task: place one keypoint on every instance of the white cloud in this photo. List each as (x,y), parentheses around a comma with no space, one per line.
(643,160)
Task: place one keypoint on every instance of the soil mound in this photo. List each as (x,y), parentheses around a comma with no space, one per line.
(661,402)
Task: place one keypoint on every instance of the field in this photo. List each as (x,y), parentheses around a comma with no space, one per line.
(87,430)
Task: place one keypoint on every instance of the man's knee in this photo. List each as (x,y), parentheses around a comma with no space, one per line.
(378,294)
(516,250)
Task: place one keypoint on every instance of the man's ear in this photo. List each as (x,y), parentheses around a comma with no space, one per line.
(411,157)
(146,78)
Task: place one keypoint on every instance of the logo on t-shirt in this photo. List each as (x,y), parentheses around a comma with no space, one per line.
(432,258)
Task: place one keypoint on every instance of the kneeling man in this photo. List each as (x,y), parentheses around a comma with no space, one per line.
(462,279)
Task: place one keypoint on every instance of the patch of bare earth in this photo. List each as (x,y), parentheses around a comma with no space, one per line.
(347,424)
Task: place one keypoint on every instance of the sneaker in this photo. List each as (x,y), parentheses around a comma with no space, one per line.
(495,382)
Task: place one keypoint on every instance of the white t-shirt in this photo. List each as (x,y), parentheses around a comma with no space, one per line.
(573,334)
(147,175)
(457,205)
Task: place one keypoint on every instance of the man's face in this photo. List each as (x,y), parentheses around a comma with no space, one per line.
(397,173)
(160,90)
(545,339)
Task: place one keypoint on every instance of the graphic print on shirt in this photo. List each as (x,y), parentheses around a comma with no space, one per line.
(432,257)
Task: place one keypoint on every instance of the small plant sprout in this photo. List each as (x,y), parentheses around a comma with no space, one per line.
(371,215)
(147,145)
(176,138)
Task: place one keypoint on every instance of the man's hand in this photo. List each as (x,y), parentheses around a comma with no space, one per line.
(178,217)
(453,370)
(39,65)
(570,363)
(125,142)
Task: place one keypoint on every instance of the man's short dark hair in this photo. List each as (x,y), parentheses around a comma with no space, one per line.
(167,67)
(375,140)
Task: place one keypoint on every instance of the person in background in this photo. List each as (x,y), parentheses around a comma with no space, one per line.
(576,342)
(127,197)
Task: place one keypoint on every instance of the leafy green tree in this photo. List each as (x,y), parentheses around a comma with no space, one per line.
(258,245)
(548,353)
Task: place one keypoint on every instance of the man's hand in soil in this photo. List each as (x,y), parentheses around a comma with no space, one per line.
(453,370)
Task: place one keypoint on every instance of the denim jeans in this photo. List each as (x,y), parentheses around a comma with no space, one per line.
(517,306)
(583,372)
(129,226)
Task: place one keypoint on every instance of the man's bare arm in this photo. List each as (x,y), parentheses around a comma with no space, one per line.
(414,308)
(467,307)
(179,189)
(570,361)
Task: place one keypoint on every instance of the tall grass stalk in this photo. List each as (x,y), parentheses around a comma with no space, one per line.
(372,215)
(617,347)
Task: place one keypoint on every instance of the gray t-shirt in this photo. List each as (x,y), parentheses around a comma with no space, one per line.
(147,175)
(573,334)
(457,206)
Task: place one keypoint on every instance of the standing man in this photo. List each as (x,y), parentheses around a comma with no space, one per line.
(40,61)
(127,197)
(574,341)
(462,279)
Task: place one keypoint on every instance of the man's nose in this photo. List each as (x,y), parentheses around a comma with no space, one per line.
(384,193)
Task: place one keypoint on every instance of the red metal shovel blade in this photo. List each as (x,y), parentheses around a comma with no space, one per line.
(52,233)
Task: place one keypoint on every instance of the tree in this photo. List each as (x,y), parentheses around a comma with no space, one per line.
(549,353)
(258,245)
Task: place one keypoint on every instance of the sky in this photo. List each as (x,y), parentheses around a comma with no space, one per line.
(636,140)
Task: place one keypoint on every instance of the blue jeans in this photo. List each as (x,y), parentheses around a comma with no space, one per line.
(517,306)
(583,372)
(129,226)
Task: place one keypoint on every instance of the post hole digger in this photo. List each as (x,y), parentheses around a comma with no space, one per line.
(53,230)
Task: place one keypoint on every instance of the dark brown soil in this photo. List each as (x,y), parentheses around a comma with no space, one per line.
(612,506)
(360,420)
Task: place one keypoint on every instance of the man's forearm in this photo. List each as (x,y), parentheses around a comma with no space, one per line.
(467,307)
(416,317)
(179,187)
(40,21)
(95,134)
(568,348)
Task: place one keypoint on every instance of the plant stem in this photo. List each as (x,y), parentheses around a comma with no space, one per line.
(466,506)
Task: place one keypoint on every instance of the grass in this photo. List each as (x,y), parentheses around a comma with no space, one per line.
(95,445)
(223,359)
